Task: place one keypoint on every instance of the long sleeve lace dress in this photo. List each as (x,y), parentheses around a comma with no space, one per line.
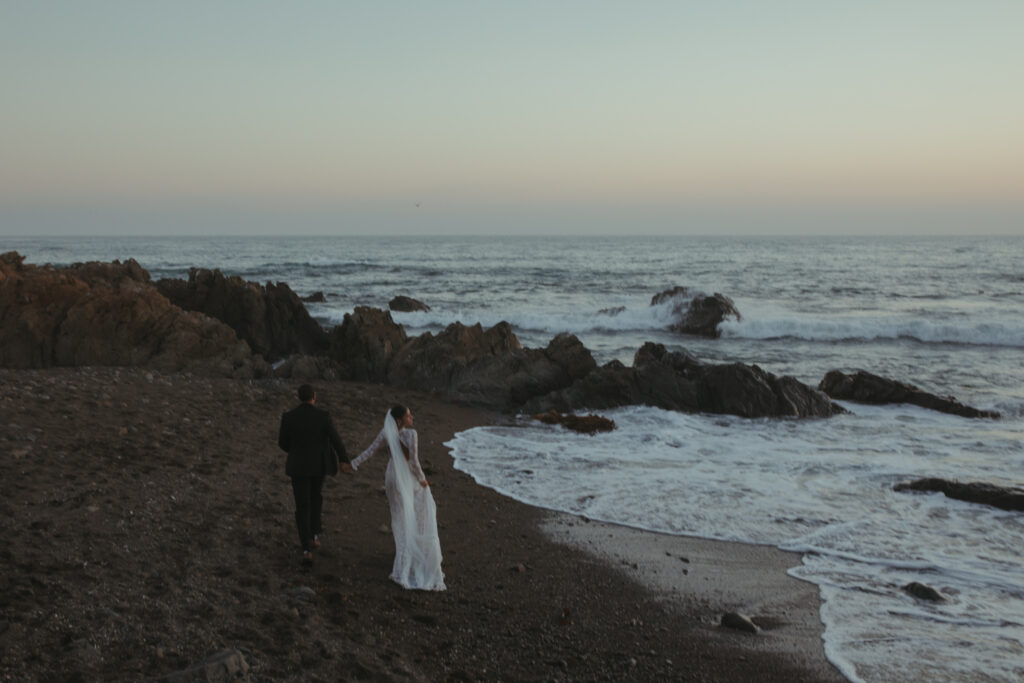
(413,512)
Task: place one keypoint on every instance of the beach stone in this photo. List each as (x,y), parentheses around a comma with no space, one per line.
(696,313)
(271,317)
(1002,497)
(678,381)
(405,304)
(865,387)
(924,592)
(225,666)
(109,314)
(740,622)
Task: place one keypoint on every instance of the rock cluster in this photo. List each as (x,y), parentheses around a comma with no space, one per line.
(108,314)
(271,317)
(864,387)
(678,381)
(113,314)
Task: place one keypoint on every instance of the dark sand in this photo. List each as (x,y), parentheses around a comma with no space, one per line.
(147,523)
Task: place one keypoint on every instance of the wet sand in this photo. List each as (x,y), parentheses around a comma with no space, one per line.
(147,524)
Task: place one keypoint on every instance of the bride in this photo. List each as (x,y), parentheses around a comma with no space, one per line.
(413,513)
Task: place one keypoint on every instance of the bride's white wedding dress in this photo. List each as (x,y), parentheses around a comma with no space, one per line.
(413,512)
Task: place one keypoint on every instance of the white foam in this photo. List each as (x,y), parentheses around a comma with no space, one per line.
(822,487)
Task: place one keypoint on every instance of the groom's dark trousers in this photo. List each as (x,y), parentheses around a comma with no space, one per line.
(308,436)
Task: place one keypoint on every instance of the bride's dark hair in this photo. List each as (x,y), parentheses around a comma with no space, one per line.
(398,411)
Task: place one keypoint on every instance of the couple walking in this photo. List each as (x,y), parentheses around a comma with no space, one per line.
(308,435)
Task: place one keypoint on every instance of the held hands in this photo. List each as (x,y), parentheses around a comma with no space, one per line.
(424,483)
(346,468)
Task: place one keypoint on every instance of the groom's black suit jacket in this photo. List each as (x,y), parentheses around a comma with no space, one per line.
(308,436)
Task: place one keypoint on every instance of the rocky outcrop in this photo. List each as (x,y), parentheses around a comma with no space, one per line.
(271,317)
(696,313)
(678,381)
(488,367)
(864,387)
(584,424)
(405,304)
(365,343)
(108,314)
(1004,498)
(314,298)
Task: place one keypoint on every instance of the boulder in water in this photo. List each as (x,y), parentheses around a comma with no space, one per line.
(1002,497)
(584,424)
(924,592)
(864,387)
(678,381)
(406,304)
(697,313)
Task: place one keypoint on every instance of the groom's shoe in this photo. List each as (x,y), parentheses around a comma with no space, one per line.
(316,543)
(307,558)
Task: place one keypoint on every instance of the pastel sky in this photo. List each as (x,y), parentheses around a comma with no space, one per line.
(476,116)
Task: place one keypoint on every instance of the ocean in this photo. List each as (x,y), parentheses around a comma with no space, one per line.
(943,313)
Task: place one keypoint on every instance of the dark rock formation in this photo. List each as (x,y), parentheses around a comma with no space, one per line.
(405,304)
(1004,498)
(740,622)
(488,367)
(270,317)
(365,343)
(924,592)
(314,298)
(584,424)
(108,314)
(865,387)
(697,313)
(678,381)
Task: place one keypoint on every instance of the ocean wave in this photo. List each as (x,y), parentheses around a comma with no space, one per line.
(874,329)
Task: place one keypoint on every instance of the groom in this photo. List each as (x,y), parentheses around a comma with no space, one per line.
(308,436)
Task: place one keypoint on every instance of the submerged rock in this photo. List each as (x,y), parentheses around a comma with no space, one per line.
(864,387)
(696,313)
(584,424)
(924,592)
(1004,498)
(678,381)
(271,317)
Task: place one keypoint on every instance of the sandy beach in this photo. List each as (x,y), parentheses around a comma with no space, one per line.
(147,525)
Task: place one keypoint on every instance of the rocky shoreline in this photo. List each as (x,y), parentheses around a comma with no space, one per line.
(147,526)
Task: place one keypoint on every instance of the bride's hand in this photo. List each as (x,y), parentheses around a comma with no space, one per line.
(424,483)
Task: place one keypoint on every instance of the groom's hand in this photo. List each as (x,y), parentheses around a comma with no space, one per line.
(346,468)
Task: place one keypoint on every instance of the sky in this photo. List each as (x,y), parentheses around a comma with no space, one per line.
(144,117)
